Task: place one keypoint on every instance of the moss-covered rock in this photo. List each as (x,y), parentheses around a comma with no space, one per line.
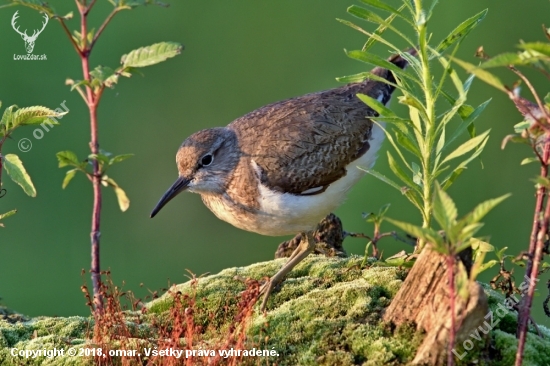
(327,312)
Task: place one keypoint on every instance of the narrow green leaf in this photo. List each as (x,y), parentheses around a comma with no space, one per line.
(407,142)
(529,160)
(68,177)
(8,214)
(382,6)
(467,146)
(428,235)
(151,55)
(483,209)
(376,60)
(481,74)
(376,105)
(372,17)
(461,31)
(15,169)
(382,28)
(468,119)
(540,47)
(381,177)
(504,59)
(400,173)
(444,210)
(119,158)
(67,158)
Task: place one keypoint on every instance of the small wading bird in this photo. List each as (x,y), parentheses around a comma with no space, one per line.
(280,169)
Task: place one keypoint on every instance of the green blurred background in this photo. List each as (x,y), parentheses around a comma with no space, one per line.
(239,55)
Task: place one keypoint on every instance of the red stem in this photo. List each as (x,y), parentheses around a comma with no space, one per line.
(533,269)
(92,102)
(452,296)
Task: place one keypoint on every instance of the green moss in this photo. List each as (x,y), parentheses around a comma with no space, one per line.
(327,312)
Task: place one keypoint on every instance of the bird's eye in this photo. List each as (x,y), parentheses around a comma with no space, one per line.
(207,160)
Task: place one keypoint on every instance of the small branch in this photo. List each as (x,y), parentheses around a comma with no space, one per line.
(68,32)
(102,27)
(526,308)
(89,7)
(533,91)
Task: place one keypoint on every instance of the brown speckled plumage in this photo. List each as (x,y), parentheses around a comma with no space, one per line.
(248,172)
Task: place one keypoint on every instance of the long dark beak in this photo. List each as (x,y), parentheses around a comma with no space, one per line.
(179,185)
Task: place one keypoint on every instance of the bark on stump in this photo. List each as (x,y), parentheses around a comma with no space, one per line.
(424,300)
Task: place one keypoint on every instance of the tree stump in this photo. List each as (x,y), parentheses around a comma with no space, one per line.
(423,299)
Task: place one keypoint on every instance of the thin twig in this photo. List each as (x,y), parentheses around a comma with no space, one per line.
(102,27)
(533,91)
(68,32)
(526,308)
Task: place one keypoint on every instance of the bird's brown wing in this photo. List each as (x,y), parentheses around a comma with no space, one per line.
(302,145)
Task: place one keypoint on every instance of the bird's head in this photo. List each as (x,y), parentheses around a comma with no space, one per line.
(205,161)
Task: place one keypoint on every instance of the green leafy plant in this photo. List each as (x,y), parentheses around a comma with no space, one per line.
(426,161)
(13,118)
(91,88)
(420,141)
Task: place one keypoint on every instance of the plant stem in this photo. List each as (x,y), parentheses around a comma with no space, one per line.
(525,310)
(452,297)
(92,102)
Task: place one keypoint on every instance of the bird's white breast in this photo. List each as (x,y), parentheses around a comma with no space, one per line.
(285,213)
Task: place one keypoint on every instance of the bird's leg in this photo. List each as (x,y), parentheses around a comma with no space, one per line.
(307,245)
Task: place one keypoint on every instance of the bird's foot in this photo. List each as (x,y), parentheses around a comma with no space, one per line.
(306,246)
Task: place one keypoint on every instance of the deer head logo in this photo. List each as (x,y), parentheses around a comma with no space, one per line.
(29,40)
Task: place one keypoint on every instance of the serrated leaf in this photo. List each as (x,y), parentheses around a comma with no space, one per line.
(7,117)
(67,158)
(35,115)
(467,147)
(481,74)
(103,76)
(68,177)
(15,169)
(151,55)
(461,31)
(39,5)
